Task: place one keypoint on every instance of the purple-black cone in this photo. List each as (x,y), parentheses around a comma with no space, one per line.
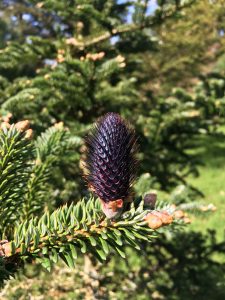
(111,161)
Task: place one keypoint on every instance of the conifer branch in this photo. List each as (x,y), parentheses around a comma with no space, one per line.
(50,148)
(148,22)
(79,228)
(15,152)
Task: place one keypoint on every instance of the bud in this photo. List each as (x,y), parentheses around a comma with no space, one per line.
(61,51)
(153,221)
(5,248)
(47,76)
(60,58)
(2,250)
(22,125)
(187,220)
(29,134)
(59,125)
(72,41)
(5,125)
(120,59)
(212,207)
(101,55)
(164,216)
(39,4)
(150,200)
(113,208)
(122,65)
(178,214)
(80,25)
(7,118)
(173,207)
(95,56)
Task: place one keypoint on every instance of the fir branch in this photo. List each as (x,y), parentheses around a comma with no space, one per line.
(50,148)
(147,22)
(27,99)
(15,151)
(79,228)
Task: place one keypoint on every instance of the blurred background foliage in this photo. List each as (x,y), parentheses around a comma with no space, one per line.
(160,64)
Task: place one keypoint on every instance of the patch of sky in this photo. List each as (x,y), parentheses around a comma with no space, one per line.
(14,18)
(27,17)
(221,32)
(28,40)
(152,6)
(49,61)
(114,39)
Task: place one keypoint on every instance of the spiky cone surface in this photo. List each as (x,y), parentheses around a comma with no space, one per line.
(110,162)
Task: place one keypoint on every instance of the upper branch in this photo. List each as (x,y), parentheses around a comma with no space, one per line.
(148,22)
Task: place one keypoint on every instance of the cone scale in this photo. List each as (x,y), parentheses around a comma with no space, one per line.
(110,162)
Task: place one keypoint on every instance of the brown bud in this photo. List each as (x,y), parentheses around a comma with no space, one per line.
(178,214)
(72,41)
(187,220)
(122,65)
(47,76)
(39,4)
(95,56)
(5,248)
(5,125)
(173,206)
(150,200)
(60,58)
(120,58)
(113,208)
(61,51)
(153,221)
(59,125)
(22,125)
(164,216)
(204,208)
(80,25)
(101,55)
(212,207)
(29,134)
(2,251)
(7,118)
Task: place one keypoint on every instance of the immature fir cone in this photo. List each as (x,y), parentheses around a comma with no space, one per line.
(110,162)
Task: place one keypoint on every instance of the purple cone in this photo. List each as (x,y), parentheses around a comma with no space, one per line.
(111,161)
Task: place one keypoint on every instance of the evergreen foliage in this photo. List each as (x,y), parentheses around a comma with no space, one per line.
(88,75)
(63,64)
(15,152)
(189,45)
(68,230)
